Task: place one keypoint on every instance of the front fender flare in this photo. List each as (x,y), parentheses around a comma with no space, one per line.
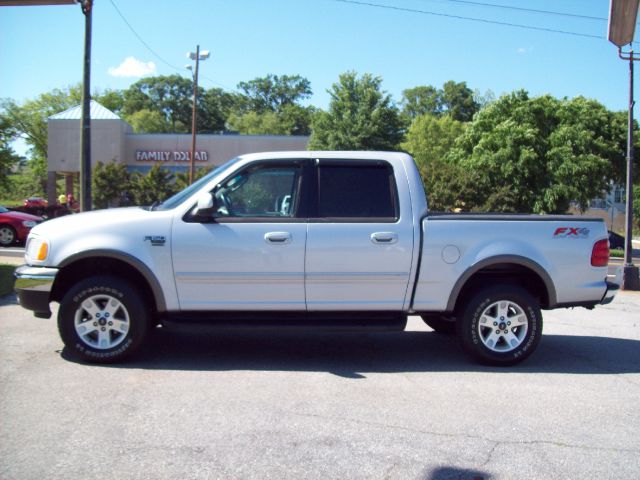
(136,263)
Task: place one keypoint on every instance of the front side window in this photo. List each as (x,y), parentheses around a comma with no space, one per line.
(260,191)
(364,192)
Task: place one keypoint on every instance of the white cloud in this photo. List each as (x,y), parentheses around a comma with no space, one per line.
(521,51)
(132,67)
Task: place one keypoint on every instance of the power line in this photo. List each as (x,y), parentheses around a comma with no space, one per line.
(522,9)
(473,19)
(141,39)
(181,70)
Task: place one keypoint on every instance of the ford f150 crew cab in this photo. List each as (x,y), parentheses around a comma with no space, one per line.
(334,240)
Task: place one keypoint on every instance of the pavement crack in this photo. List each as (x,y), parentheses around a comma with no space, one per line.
(617,373)
(495,442)
(490,455)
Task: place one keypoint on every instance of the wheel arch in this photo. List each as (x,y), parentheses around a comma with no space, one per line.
(99,262)
(504,268)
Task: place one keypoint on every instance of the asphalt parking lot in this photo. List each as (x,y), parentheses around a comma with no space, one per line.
(404,405)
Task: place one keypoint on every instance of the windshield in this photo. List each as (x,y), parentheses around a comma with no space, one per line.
(3,210)
(182,195)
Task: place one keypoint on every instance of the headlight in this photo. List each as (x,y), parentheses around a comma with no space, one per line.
(37,249)
(29,223)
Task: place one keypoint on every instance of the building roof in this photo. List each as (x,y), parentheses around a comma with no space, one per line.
(97,112)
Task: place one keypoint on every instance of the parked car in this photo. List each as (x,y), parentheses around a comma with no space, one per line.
(15,226)
(35,202)
(34,206)
(615,241)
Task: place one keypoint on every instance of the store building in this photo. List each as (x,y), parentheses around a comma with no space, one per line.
(113,139)
(611,207)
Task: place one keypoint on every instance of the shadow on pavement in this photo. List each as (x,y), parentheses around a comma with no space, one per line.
(354,355)
(454,473)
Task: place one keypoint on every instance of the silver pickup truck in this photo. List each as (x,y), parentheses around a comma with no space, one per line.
(328,240)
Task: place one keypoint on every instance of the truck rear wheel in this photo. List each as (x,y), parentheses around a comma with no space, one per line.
(501,325)
(440,323)
(103,319)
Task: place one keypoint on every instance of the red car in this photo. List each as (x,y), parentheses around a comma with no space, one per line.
(35,202)
(15,226)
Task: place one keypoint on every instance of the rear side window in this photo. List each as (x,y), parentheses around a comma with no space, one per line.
(365,192)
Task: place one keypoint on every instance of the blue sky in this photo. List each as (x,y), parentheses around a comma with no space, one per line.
(41,47)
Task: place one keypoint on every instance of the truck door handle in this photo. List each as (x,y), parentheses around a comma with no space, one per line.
(279,238)
(386,238)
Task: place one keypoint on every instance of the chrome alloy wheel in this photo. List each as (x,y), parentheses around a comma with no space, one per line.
(503,326)
(102,321)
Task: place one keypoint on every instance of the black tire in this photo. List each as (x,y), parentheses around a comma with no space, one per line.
(440,324)
(514,325)
(8,235)
(103,319)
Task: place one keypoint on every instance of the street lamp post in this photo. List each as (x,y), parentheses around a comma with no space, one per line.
(197,56)
(622,23)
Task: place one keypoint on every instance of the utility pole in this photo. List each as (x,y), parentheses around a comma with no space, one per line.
(193,116)
(630,278)
(85,134)
(197,57)
(623,15)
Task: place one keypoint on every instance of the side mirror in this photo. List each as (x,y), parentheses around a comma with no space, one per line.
(206,205)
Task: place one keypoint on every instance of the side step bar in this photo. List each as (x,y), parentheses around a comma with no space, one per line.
(287,321)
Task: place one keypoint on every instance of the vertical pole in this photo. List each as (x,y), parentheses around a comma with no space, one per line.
(193,117)
(630,280)
(85,134)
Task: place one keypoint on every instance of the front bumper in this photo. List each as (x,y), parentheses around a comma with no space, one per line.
(33,286)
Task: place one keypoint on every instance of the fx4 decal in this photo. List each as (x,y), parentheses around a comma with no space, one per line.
(571,232)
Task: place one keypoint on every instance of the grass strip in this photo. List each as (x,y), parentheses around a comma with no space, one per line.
(6,279)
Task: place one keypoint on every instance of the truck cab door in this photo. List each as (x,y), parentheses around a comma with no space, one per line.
(248,252)
(359,244)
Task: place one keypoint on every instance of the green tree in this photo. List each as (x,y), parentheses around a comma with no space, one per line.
(110,184)
(273,92)
(539,154)
(214,107)
(458,101)
(168,95)
(30,119)
(361,117)
(254,123)
(154,186)
(423,100)
(30,122)
(454,99)
(148,121)
(483,99)
(449,186)
(8,158)
(430,138)
(291,120)
(110,99)
(271,106)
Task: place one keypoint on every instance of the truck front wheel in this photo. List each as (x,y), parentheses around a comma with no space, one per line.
(501,325)
(103,319)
